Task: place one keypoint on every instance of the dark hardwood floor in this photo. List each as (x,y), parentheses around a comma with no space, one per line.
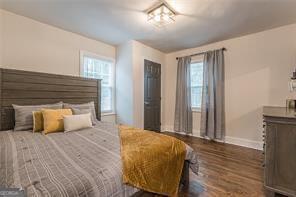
(225,170)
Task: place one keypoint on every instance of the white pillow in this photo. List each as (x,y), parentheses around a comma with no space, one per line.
(76,122)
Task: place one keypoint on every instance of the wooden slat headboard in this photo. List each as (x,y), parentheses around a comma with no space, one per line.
(33,88)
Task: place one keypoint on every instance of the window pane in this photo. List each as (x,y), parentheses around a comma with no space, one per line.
(100,69)
(106,98)
(196,84)
(196,96)
(105,69)
(97,67)
(196,74)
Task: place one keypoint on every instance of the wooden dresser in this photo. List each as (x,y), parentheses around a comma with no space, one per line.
(280,150)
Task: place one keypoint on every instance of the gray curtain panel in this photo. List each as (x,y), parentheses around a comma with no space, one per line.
(212,108)
(183,112)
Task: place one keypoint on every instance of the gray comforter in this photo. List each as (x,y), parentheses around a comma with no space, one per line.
(81,163)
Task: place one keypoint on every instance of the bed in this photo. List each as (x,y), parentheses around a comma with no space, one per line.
(81,163)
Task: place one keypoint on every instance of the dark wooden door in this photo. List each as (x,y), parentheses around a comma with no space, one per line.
(152,98)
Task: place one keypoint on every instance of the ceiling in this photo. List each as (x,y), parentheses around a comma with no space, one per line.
(198,22)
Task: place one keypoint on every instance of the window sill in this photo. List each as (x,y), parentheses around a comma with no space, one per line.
(108,113)
(196,110)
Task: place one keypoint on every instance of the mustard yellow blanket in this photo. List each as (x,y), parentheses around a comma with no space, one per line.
(151,161)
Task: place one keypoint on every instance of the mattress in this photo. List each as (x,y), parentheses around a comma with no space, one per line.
(81,163)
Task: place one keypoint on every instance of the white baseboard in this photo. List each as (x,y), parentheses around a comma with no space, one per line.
(258,145)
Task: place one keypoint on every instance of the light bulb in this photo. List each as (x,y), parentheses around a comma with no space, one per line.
(157,18)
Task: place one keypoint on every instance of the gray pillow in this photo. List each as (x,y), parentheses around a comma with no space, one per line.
(82,108)
(24,114)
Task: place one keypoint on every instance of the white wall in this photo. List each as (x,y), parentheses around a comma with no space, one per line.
(257,72)
(124,84)
(140,53)
(130,81)
(34,46)
(1,38)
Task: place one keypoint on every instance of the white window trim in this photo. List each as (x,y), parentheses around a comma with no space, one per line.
(108,114)
(195,109)
(112,60)
(197,60)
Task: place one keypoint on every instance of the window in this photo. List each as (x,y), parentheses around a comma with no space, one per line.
(196,84)
(94,66)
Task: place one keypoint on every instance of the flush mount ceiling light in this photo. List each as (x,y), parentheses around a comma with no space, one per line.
(161,15)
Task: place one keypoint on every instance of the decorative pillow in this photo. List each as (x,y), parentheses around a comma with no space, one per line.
(53,119)
(76,122)
(84,111)
(84,106)
(24,115)
(37,121)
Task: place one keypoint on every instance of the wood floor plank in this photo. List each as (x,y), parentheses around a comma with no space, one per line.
(225,170)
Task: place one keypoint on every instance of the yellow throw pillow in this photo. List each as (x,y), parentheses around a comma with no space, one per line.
(37,121)
(53,119)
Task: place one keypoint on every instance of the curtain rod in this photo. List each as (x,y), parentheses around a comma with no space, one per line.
(224,49)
